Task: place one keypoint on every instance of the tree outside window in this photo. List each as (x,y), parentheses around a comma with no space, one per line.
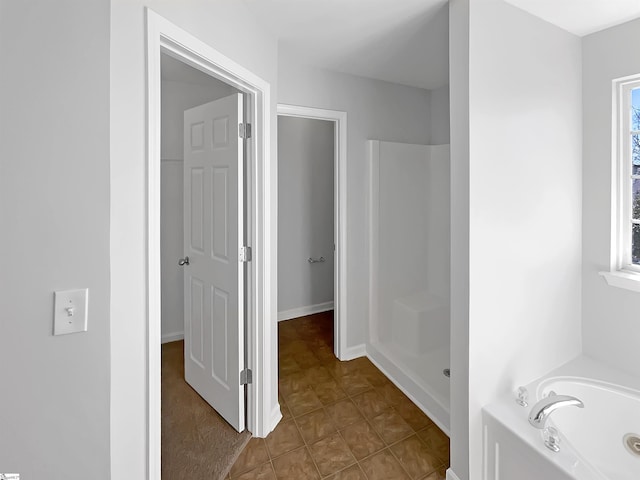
(635,158)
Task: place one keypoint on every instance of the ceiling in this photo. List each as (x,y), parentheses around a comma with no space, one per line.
(400,41)
(581,17)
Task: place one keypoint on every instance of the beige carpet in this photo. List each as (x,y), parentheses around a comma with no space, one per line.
(197,443)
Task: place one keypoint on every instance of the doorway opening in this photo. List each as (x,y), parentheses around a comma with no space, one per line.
(317,258)
(262,412)
(203,406)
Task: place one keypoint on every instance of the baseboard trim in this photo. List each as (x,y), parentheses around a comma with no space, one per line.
(171,337)
(276,416)
(417,393)
(451,475)
(356,351)
(304,311)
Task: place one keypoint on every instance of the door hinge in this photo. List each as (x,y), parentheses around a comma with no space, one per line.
(246,377)
(245,254)
(244,130)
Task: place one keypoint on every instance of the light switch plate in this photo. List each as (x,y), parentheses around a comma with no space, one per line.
(70,311)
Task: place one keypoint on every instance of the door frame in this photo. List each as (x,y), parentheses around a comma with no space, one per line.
(263,411)
(339,119)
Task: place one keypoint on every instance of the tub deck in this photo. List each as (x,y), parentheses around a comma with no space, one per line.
(590,449)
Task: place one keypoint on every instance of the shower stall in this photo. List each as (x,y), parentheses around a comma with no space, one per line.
(409,327)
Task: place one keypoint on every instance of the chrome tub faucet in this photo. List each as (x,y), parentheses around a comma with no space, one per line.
(545,407)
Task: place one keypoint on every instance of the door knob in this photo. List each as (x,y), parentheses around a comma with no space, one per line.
(183,261)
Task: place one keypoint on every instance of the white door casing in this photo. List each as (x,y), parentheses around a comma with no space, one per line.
(339,119)
(214,275)
(263,410)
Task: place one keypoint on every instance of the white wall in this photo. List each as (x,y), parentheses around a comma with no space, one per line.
(440,115)
(375,110)
(305,214)
(176,98)
(525,170)
(171,240)
(611,316)
(54,212)
(219,24)
(459,100)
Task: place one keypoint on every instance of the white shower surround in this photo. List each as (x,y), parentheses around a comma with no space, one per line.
(409,260)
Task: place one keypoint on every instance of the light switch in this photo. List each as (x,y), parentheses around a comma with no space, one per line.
(70,311)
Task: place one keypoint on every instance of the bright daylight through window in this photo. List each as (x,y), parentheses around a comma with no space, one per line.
(625,246)
(635,173)
(630,169)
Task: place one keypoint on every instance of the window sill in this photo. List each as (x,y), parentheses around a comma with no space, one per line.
(623,279)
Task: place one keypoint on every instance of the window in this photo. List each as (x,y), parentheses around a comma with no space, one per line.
(625,268)
(629,176)
(635,173)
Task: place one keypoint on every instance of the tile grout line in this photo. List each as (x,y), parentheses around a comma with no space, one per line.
(387,444)
(349,396)
(304,443)
(326,413)
(390,445)
(338,379)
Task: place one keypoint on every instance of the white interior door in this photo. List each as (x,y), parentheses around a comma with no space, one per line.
(213,232)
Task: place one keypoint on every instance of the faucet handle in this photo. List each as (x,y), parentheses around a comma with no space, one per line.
(522,395)
(551,438)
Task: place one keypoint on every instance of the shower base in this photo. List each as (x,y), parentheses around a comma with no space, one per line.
(419,376)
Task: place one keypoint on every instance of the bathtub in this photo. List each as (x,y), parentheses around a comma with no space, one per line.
(593,442)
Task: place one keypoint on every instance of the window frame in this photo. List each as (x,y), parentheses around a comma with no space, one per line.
(624,175)
(623,273)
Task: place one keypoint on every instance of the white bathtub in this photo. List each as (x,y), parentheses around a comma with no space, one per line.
(592,438)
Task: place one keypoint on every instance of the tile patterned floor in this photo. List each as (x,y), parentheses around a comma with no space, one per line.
(341,420)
